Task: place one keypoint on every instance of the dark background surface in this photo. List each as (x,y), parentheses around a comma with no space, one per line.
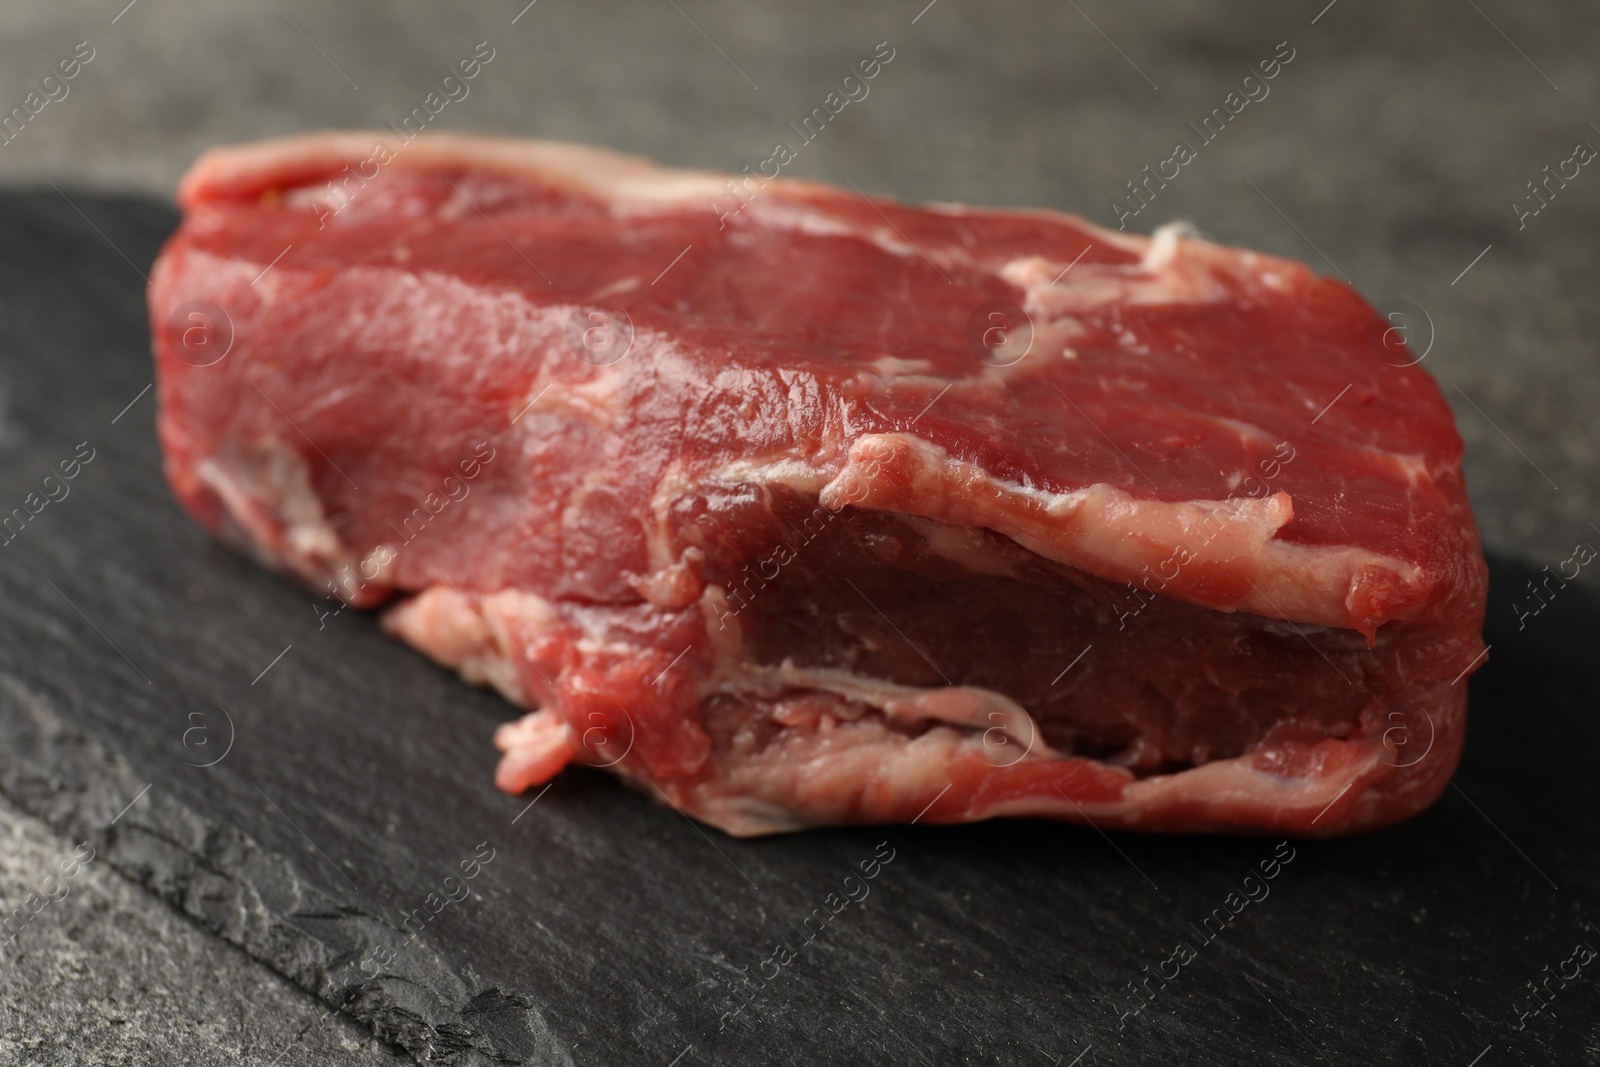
(607,930)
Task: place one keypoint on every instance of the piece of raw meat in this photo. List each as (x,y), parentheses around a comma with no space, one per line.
(796,507)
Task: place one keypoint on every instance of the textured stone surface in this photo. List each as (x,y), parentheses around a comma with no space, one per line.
(106,973)
(606,930)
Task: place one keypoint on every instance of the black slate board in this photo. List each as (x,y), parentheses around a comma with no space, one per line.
(608,930)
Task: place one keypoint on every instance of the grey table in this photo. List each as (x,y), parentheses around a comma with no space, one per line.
(1394,150)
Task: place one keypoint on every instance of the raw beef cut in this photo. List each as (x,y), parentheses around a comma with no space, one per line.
(793,507)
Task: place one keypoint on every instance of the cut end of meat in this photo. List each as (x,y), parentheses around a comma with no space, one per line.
(537,747)
(793,507)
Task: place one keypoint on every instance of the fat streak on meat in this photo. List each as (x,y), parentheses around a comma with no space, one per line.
(833,510)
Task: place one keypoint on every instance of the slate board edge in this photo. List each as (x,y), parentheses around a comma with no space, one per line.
(208,873)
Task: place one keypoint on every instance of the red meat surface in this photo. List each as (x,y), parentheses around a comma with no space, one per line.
(794,507)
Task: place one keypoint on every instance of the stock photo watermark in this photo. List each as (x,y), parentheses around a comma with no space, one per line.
(1253,89)
(55,487)
(1253,889)
(1183,553)
(852,890)
(1540,593)
(1541,193)
(338,193)
(852,89)
(54,87)
(53,888)
(1543,995)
